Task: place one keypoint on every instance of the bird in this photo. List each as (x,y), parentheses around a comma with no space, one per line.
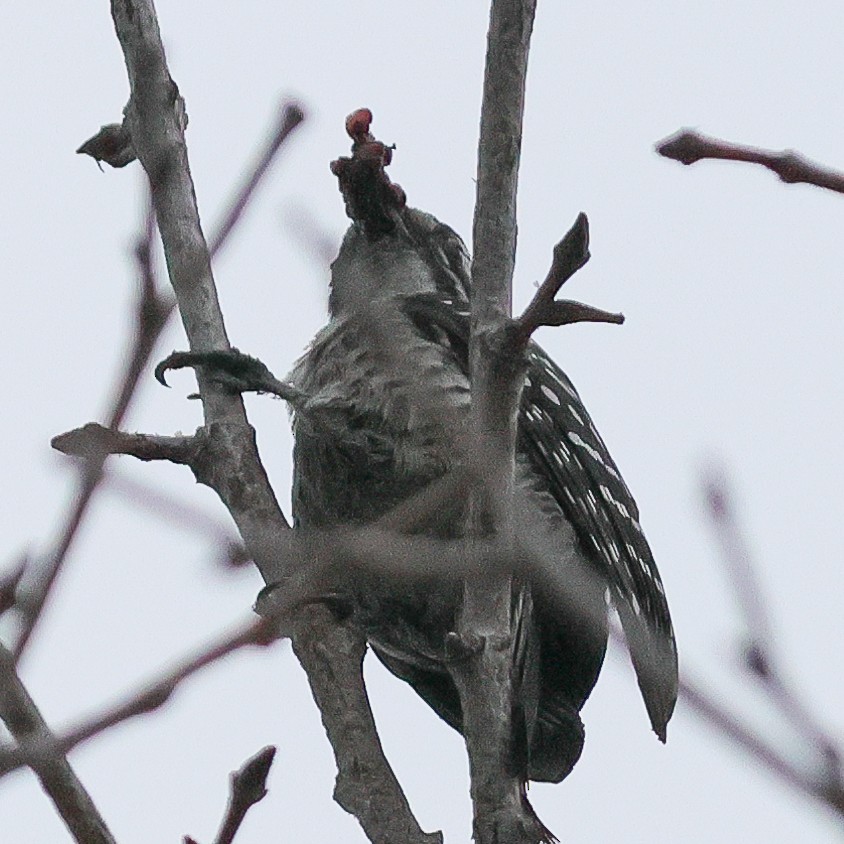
(386,396)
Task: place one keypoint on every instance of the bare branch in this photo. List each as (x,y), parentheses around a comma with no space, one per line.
(758,651)
(92,441)
(485,677)
(570,254)
(152,312)
(115,145)
(73,803)
(499,151)
(735,556)
(248,787)
(233,468)
(159,141)
(291,116)
(688,147)
(32,750)
(366,786)
(828,791)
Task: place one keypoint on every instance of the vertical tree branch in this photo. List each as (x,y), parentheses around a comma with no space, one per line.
(366,785)
(231,465)
(486,677)
(499,151)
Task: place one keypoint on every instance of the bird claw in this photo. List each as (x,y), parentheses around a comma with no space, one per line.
(231,369)
(338,604)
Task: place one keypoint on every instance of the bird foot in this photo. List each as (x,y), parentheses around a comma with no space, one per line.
(340,605)
(232,370)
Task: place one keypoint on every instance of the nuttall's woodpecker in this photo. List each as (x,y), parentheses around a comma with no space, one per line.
(387,394)
(381,401)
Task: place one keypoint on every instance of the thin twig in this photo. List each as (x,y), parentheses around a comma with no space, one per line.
(826,790)
(735,556)
(570,254)
(689,146)
(151,314)
(758,651)
(291,116)
(248,787)
(26,724)
(148,698)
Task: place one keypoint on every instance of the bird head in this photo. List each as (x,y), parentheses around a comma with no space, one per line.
(389,250)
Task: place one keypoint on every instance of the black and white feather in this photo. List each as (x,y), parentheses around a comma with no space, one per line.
(388,395)
(562,442)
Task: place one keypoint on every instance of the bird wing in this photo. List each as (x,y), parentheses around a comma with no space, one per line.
(563,444)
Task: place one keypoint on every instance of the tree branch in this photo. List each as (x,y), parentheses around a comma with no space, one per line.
(292,115)
(824,789)
(151,315)
(94,440)
(485,678)
(366,785)
(43,746)
(757,649)
(234,469)
(570,254)
(688,147)
(248,787)
(73,803)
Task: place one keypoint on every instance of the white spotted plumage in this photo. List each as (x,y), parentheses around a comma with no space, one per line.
(564,445)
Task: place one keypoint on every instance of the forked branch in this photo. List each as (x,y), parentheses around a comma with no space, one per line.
(570,254)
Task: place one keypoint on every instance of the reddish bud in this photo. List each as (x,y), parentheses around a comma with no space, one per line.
(358,122)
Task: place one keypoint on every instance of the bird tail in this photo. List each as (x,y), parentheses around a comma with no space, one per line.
(545,835)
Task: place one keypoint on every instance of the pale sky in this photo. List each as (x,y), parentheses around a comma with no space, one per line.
(728,280)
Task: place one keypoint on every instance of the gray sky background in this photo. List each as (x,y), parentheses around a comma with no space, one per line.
(730,281)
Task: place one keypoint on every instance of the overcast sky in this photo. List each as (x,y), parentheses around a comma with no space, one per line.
(730,281)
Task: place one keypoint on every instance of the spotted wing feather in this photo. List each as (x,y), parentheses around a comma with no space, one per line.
(560,439)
